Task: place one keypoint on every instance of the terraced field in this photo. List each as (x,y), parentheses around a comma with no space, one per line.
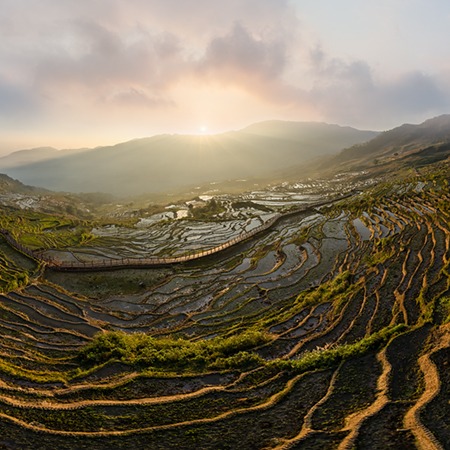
(331,330)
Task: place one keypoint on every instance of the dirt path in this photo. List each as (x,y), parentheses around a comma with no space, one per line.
(425,438)
(307,421)
(261,407)
(354,421)
(378,300)
(50,404)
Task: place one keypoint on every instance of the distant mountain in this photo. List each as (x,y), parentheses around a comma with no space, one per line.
(34,155)
(405,145)
(170,162)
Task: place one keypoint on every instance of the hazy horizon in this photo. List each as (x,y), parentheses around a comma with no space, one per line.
(74,76)
(201,134)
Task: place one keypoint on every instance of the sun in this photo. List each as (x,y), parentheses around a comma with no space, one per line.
(203,129)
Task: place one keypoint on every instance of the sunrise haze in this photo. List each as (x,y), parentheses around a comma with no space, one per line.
(77,74)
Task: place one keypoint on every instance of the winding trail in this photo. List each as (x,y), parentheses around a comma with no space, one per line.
(274,399)
(50,405)
(355,421)
(307,421)
(425,438)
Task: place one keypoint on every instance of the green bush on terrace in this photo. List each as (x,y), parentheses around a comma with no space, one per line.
(332,290)
(327,357)
(12,276)
(37,230)
(384,249)
(174,354)
(177,355)
(444,307)
(11,281)
(209,211)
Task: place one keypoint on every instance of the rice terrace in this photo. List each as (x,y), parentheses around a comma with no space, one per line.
(224,225)
(328,329)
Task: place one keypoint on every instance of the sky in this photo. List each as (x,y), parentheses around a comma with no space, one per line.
(79,73)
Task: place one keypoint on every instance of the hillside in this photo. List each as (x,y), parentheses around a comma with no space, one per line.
(18,197)
(328,330)
(172,162)
(397,147)
(9,185)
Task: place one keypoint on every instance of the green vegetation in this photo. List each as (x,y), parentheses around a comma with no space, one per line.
(243,204)
(337,291)
(171,354)
(42,231)
(329,357)
(181,355)
(383,251)
(207,212)
(12,279)
(444,309)
(16,270)
(37,376)
(11,276)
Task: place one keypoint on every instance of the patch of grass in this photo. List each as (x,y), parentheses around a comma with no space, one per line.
(175,354)
(42,231)
(13,275)
(384,250)
(328,357)
(334,290)
(443,306)
(32,375)
(209,211)
(172,355)
(338,291)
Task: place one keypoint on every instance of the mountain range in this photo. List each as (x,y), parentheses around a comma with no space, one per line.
(265,151)
(166,163)
(407,142)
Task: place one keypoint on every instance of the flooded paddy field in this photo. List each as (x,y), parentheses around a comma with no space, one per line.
(173,234)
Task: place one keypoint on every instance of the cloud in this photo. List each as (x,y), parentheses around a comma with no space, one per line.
(104,70)
(110,27)
(256,63)
(146,46)
(416,91)
(352,92)
(113,59)
(116,64)
(135,97)
(239,55)
(200,20)
(16,102)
